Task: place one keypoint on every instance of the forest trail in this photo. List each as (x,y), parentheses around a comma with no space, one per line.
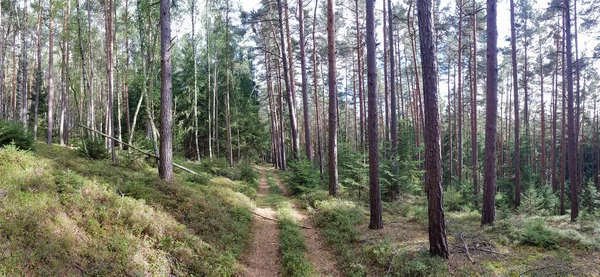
(319,255)
(262,259)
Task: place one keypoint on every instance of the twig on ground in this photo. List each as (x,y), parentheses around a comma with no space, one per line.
(273,219)
(466,248)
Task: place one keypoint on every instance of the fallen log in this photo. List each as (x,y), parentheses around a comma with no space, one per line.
(138,149)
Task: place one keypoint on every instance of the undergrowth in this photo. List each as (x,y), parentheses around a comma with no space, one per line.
(64,215)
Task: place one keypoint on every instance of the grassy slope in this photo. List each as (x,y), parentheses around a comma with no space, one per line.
(64,215)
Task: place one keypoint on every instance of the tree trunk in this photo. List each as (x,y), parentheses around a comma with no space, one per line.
(109,72)
(564,125)
(38,86)
(50,73)
(307,135)
(195,102)
(332,148)
(376,221)
(227,92)
(286,76)
(393,102)
(517,157)
(474,144)
(438,245)
(489,174)
(316,92)
(543,120)
(554,180)
(165,166)
(460,92)
(359,48)
(571,118)
(64,124)
(23,107)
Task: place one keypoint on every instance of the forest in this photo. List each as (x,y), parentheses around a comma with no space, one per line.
(299,138)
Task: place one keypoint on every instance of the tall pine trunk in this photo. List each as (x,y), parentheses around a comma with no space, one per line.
(517,157)
(488,213)
(376,221)
(307,136)
(571,118)
(165,166)
(438,244)
(332,147)
(50,73)
(23,107)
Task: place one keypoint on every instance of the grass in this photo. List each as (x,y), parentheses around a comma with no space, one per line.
(292,245)
(64,215)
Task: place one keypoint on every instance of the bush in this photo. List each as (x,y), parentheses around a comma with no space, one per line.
(339,221)
(537,233)
(247,173)
(590,198)
(14,132)
(301,176)
(94,149)
(539,201)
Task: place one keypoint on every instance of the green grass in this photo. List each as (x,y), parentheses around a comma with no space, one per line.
(65,215)
(292,245)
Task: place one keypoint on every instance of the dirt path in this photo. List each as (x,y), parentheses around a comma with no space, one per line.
(262,259)
(319,255)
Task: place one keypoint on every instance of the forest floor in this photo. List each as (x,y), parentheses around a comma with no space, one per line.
(264,255)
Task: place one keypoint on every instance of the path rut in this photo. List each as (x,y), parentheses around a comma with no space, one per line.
(262,260)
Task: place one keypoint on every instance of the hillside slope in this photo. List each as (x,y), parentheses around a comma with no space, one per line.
(64,215)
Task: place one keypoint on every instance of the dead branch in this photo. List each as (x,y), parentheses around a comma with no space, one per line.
(466,248)
(138,149)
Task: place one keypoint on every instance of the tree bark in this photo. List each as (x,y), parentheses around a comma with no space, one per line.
(489,175)
(571,118)
(543,119)
(50,74)
(227,92)
(376,221)
(460,92)
(359,48)
(286,77)
(393,102)
(307,134)
(438,244)
(64,124)
(517,157)
(332,148)
(195,102)
(38,86)
(474,144)
(165,166)
(315,88)
(554,180)
(23,107)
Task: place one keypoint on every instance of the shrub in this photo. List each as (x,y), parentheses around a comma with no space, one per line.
(14,132)
(540,201)
(94,149)
(339,221)
(537,233)
(453,199)
(301,176)
(421,264)
(247,173)
(590,198)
